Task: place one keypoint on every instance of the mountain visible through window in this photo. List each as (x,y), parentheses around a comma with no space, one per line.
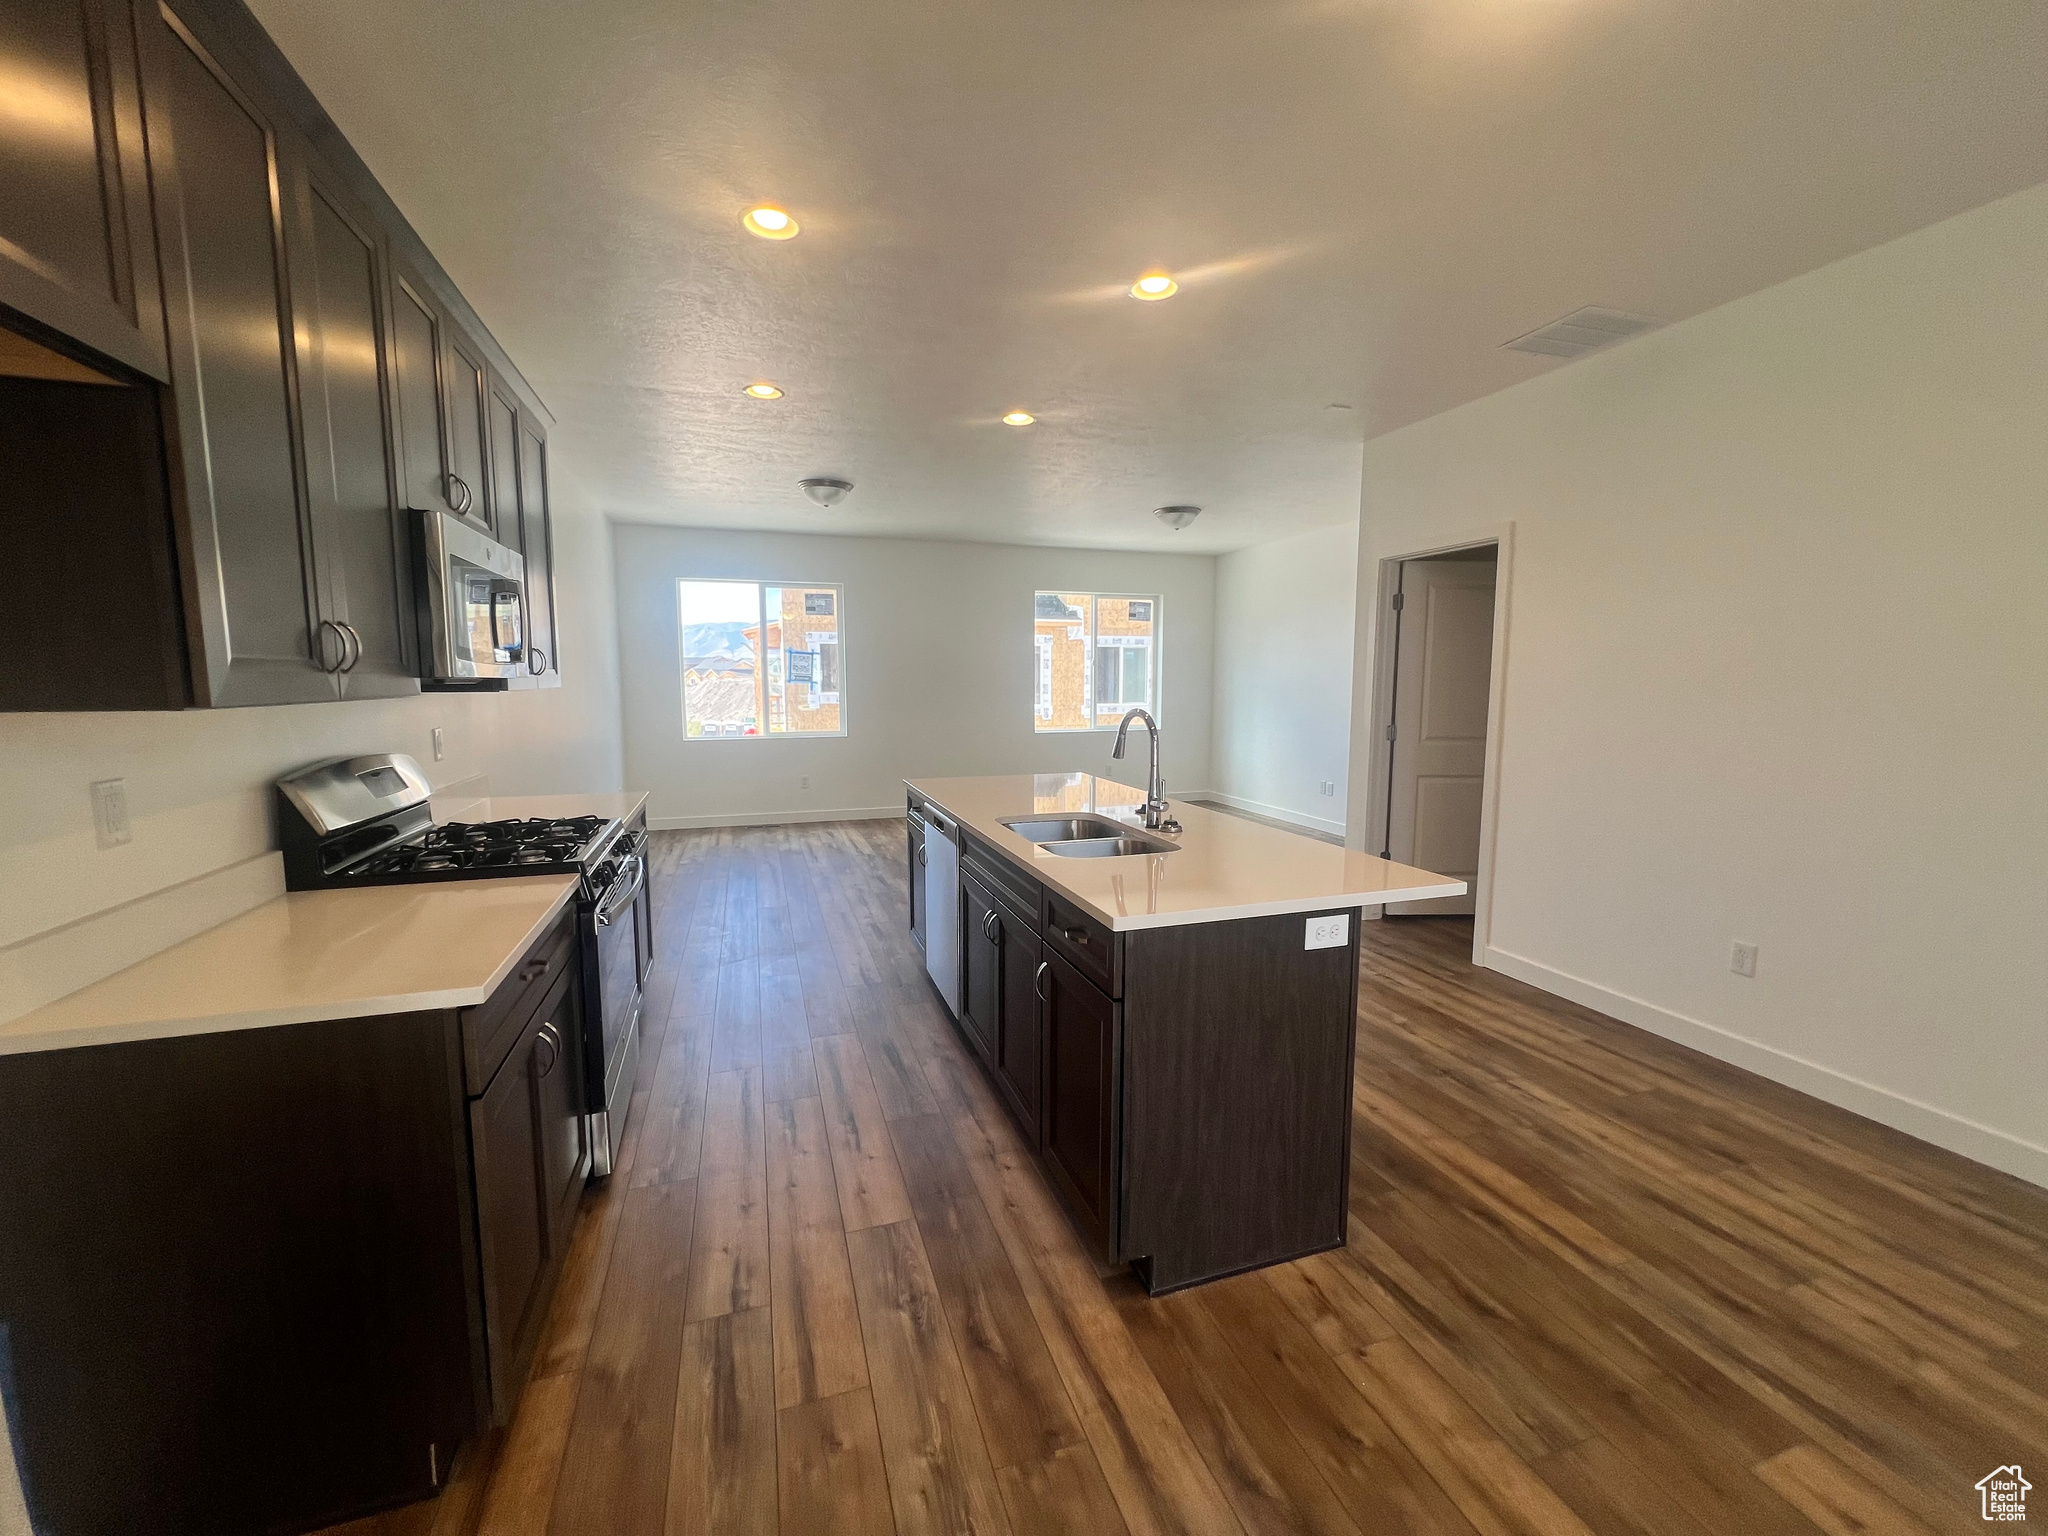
(760,659)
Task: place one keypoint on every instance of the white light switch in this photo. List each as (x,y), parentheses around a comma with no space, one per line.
(1328,932)
(440,745)
(110,813)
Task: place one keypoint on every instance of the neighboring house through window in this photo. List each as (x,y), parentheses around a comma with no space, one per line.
(760,658)
(1097,656)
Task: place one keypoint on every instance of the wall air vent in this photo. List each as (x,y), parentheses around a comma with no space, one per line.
(1582,331)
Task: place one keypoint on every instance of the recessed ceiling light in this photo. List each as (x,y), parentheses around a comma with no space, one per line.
(1019,419)
(1154,285)
(763,391)
(769,222)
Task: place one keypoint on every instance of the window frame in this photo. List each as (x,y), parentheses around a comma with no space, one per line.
(761,586)
(1155,646)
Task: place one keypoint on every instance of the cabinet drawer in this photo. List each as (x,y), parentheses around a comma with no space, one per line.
(490,1029)
(1089,945)
(1016,890)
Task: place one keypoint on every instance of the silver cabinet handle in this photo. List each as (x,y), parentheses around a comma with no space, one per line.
(341,634)
(356,642)
(922,856)
(462,485)
(1038,981)
(536,660)
(989,928)
(551,1038)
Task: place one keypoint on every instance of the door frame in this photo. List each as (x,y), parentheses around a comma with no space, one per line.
(1502,537)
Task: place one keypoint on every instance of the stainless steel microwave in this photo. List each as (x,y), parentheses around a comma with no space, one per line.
(473,606)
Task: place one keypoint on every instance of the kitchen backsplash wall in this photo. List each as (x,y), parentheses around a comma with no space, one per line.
(198,782)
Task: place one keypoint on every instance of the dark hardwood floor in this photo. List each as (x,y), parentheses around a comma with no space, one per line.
(1594,1282)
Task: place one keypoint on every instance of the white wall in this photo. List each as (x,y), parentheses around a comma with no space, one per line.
(199,780)
(1777,670)
(1284,621)
(938,667)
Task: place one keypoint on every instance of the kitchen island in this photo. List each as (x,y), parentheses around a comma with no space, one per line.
(1172,1028)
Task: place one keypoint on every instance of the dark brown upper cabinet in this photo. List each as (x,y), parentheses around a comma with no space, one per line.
(259,634)
(284,372)
(418,353)
(469,386)
(350,468)
(537,544)
(76,247)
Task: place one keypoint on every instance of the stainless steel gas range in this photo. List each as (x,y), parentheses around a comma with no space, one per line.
(369,821)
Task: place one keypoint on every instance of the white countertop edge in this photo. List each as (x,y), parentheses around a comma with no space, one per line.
(1269,908)
(1044,869)
(133,1030)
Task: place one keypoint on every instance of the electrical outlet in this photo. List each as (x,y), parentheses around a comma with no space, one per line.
(110,826)
(1742,959)
(1328,787)
(1327,932)
(440,745)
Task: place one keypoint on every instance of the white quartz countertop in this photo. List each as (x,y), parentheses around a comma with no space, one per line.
(622,804)
(1225,866)
(315,955)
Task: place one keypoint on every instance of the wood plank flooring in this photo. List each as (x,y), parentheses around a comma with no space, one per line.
(1594,1284)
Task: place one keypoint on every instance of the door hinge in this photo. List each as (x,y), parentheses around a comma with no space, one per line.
(1390,730)
(1400,601)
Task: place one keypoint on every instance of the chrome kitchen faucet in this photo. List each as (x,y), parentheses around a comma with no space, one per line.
(1155,790)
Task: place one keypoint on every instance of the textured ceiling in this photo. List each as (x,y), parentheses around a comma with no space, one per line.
(1362,199)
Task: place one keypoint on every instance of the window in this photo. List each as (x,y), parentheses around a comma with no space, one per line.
(1096,656)
(742,677)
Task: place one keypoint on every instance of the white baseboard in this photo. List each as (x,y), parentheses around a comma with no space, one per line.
(1980,1143)
(1259,808)
(772,818)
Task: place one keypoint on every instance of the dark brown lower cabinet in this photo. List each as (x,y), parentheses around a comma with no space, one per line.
(237,1283)
(1081,1120)
(530,1144)
(1019,1057)
(981,982)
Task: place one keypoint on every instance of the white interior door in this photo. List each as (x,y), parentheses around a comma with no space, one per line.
(1443,665)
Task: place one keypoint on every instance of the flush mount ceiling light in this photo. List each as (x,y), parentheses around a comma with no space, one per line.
(1019,419)
(770,223)
(763,392)
(826,492)
(1154,285)
(1176,518)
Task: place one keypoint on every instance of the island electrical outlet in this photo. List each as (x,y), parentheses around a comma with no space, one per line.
(1328,932)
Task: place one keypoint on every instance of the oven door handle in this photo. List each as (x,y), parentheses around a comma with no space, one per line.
(615,904)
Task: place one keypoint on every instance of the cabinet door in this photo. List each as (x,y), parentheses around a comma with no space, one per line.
(513,1211)
(348,449)
(564,1124)
(537,544)
(527,1140)
(467,387)
(245,534)
(502,440)
(423,483)
(77,251)
(1079,1131)
(981,982)
(1019,1043)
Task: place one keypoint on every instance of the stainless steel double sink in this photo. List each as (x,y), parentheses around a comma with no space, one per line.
(1087,837)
